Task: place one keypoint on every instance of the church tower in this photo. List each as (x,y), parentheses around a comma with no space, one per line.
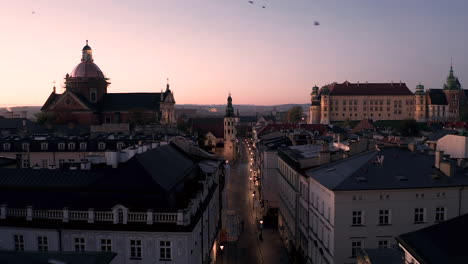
(314,109)
(230,133)
(420,104)
(454,94)
(324,106)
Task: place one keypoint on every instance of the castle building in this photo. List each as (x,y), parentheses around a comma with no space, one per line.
(230,132)
(87,102)
(386,101)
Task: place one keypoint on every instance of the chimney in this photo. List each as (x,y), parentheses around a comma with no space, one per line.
(412,147)
(438,158)
(325,146)
(447,168)
(357,83)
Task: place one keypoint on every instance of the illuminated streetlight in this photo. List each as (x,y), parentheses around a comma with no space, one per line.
(221,247)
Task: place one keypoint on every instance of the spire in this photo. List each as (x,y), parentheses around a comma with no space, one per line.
(54,88)
(167,84)
(451,67)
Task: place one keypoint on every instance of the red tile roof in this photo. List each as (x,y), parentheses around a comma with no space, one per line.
(348,88)
(365,124)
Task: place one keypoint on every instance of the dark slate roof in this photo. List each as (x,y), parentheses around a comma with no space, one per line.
(130,101)
(215,125)
(161,179)
(171,166)
(36,257)
(440,243)
(436,97)
(14,123)
(348,88)
(402,169)
(275,143)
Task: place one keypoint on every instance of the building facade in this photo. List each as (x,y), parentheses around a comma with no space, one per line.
(386,101)
(367,200)
(160,206)
(87,102)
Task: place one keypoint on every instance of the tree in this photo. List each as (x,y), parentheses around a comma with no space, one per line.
(182,125)
(294,114)
(408,128)
(43,118)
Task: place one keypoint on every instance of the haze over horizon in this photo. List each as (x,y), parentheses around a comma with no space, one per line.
(209,48)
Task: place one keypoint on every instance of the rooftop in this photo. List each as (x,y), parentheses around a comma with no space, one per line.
(348,88)
(440,243)
(399,169)
(36,257)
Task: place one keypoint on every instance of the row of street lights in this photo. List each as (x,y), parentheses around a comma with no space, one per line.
(252,180)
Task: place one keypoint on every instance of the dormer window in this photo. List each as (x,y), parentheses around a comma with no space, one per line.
(82,146)
(71,146)
(44,146)
(25,146)
(61,146)
(93,96)
(6,146)
(101,146)
(120,145)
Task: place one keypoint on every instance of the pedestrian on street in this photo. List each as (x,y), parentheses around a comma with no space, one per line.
(242,225)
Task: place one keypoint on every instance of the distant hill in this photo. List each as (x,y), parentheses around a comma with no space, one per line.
(202,110)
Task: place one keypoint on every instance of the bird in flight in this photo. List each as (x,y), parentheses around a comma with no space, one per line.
(263,7)
(316,23)
(33,12)
(251,2)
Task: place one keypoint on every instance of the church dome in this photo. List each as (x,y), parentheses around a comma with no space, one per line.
(86,70)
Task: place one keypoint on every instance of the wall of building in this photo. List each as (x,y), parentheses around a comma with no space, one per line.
(375,107)
(454,145)
(269,178)
(401,203)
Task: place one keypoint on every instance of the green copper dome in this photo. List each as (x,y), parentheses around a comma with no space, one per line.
(419,89)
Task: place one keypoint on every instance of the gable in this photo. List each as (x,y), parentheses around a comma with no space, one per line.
(69,102)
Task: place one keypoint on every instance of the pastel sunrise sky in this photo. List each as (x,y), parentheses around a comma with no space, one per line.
(207,48)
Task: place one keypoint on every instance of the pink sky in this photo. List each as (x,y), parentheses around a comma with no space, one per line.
(209,48)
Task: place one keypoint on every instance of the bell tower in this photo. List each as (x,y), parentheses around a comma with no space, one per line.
(230,133)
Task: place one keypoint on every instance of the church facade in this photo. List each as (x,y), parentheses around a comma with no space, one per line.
(86,101)
(386,101)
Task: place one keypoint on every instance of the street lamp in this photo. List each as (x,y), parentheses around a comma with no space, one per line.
(221,247)
(253,200)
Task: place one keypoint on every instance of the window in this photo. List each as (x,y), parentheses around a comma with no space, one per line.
(355,245)
(102,146)
(25,146)
(61,146)
(165,250)
(120,145)
(108,119)
(19,242)
(93,96)
(6,146)
(419,215)
(440,214)
(383,243)
(106,245)
(45,164)
(25,163)
(357,218)
(61,162)
(71,146)
(384,217)
(42,243)
(82,146)
(44,146)
(79,244)
(135,249)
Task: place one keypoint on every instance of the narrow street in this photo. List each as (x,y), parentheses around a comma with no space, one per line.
(249,249)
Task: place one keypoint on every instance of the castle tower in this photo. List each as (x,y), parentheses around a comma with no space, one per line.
(454,94)
(314,109)
(325,106)
(230,133)
(87,79)
(420,104)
